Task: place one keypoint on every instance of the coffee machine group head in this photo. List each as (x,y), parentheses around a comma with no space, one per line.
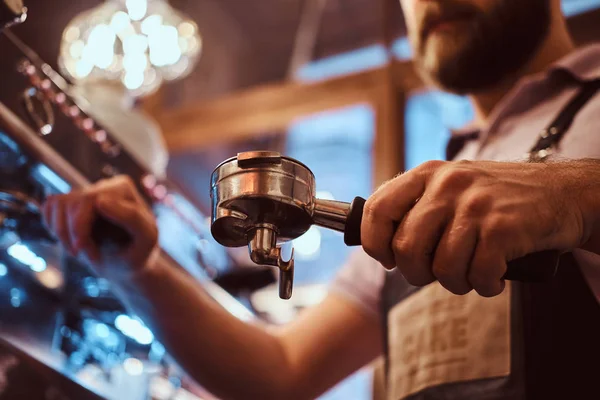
(262,199)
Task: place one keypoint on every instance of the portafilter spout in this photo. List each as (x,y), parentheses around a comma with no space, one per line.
(261,199)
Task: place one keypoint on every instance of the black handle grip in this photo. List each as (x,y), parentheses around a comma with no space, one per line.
(109,236)
(536,267)
(353,222)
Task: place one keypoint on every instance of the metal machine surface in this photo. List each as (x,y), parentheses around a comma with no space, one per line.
(55,312)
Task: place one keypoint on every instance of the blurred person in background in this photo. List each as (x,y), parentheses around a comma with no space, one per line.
(444,229)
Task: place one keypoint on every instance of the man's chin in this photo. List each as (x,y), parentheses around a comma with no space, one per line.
(439,54)
(442,46)
(434,64)
(444,75)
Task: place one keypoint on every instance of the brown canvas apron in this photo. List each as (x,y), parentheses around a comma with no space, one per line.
(535,341)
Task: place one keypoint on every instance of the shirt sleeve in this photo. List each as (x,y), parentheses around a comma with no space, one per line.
(590,268)
(360,281)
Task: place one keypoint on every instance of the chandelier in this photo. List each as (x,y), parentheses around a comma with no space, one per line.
(139,43)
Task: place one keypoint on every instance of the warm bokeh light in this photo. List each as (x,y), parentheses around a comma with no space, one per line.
(141,43)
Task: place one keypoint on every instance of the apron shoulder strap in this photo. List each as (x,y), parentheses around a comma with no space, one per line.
(553,134)
(550,136)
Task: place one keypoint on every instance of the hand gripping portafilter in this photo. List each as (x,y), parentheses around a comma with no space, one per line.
(261,199)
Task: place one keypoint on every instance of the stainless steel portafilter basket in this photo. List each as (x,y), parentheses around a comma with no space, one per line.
(261,199)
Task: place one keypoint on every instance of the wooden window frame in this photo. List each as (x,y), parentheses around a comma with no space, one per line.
(272,108)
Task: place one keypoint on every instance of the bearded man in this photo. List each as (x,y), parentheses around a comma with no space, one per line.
(449,324)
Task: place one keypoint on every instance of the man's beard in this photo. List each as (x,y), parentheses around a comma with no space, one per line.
(489,48)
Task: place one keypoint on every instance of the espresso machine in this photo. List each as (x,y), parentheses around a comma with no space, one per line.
(64,333)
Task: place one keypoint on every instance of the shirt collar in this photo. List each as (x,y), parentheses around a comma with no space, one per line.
(583,64)
(468,131)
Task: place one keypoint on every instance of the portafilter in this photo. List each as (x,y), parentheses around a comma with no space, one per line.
(262,199)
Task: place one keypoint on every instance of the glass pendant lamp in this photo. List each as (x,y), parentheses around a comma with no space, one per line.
(139,43)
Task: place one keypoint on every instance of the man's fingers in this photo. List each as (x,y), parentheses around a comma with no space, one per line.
(81,217)
(71,218)
(126,215)
(487,269)
(386,208)
(60,225)
(416,240)
(121,186)
(453,256)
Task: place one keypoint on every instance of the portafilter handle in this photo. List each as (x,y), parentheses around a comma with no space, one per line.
(109,237)
(347,218)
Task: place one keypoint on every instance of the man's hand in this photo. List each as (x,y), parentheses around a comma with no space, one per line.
(71,216)
(460,222)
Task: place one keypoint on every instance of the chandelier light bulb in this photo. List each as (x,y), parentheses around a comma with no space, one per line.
(140,43)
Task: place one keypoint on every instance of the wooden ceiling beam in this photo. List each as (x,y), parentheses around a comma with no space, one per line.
(271,108)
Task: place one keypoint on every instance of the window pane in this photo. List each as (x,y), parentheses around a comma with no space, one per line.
(429,118)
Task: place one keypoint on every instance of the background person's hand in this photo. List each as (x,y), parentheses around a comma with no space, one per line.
(460,222)
(70,218)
